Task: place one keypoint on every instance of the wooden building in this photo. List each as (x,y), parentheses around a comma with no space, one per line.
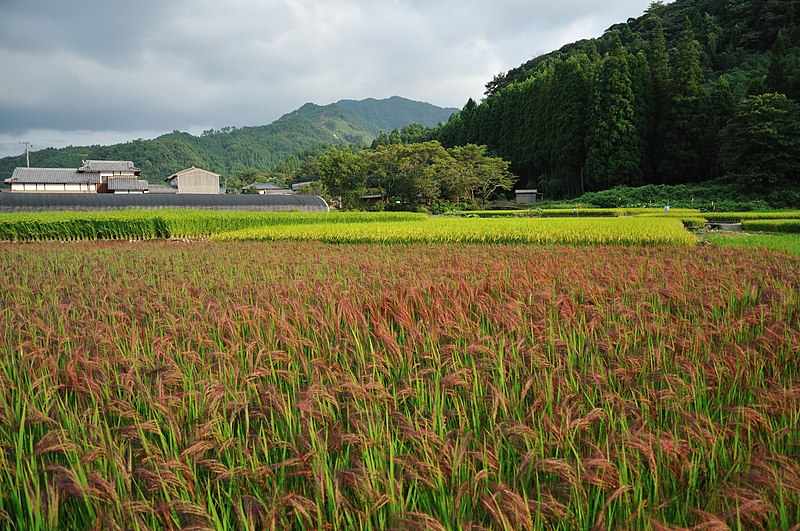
(527,197)
(127,185)
(195,181)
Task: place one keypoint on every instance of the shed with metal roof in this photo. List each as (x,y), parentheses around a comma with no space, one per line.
(195,181)
(528,197)
(267,188)
(127,185)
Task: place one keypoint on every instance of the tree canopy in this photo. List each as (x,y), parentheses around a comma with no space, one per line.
(419,173)
(646,103)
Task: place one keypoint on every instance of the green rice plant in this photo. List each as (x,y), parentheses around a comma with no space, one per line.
(158,224)
(693,223)
(738,217)
(773,225)
(80,226)
(788,242)
(622,231)
(579,212)
(690,220)
(204,223)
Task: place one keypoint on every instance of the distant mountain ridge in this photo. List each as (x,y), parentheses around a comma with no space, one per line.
(265,147)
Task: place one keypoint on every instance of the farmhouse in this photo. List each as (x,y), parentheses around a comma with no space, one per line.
(52,180)
(195,181)
(92,177)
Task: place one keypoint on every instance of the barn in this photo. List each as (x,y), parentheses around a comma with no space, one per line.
(195,181)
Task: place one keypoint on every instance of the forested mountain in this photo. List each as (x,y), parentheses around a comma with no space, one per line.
(691,91)
(279,146)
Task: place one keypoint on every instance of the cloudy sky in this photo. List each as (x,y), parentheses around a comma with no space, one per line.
(107,71)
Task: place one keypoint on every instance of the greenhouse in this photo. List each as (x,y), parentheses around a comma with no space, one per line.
(39,202)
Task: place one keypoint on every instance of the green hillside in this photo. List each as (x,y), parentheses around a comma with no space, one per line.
(229,150)
(692,91)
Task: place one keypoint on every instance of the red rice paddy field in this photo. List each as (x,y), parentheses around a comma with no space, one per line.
(257,385)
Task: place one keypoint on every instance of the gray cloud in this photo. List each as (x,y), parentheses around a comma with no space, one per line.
(116,66)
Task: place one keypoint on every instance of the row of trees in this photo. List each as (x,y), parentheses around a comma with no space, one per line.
(412,174)
(639,114)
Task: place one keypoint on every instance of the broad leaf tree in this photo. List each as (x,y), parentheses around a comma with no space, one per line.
(343,173)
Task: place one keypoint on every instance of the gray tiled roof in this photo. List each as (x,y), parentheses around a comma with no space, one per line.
(51,176)
(107,165)
(266,186)
(126,183)
(163,189)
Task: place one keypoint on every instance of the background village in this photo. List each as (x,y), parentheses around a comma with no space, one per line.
(122,177)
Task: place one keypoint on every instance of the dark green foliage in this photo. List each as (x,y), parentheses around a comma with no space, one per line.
(783,75)
(612,143)
(569,99)
(645,103)
(761,145)
(709,196)
(344,174)
(473,175)
(422,174)
(275,148)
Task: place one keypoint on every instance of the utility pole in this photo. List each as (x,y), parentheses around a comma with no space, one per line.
(27,157)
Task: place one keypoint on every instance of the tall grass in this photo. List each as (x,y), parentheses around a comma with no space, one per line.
(252,385)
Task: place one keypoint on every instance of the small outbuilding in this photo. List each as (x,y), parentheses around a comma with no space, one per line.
(266,189)
(528,197)
(127,185)
(195,181)
(370,200)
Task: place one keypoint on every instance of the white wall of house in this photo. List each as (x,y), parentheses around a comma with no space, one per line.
(104,175)
(79,188)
